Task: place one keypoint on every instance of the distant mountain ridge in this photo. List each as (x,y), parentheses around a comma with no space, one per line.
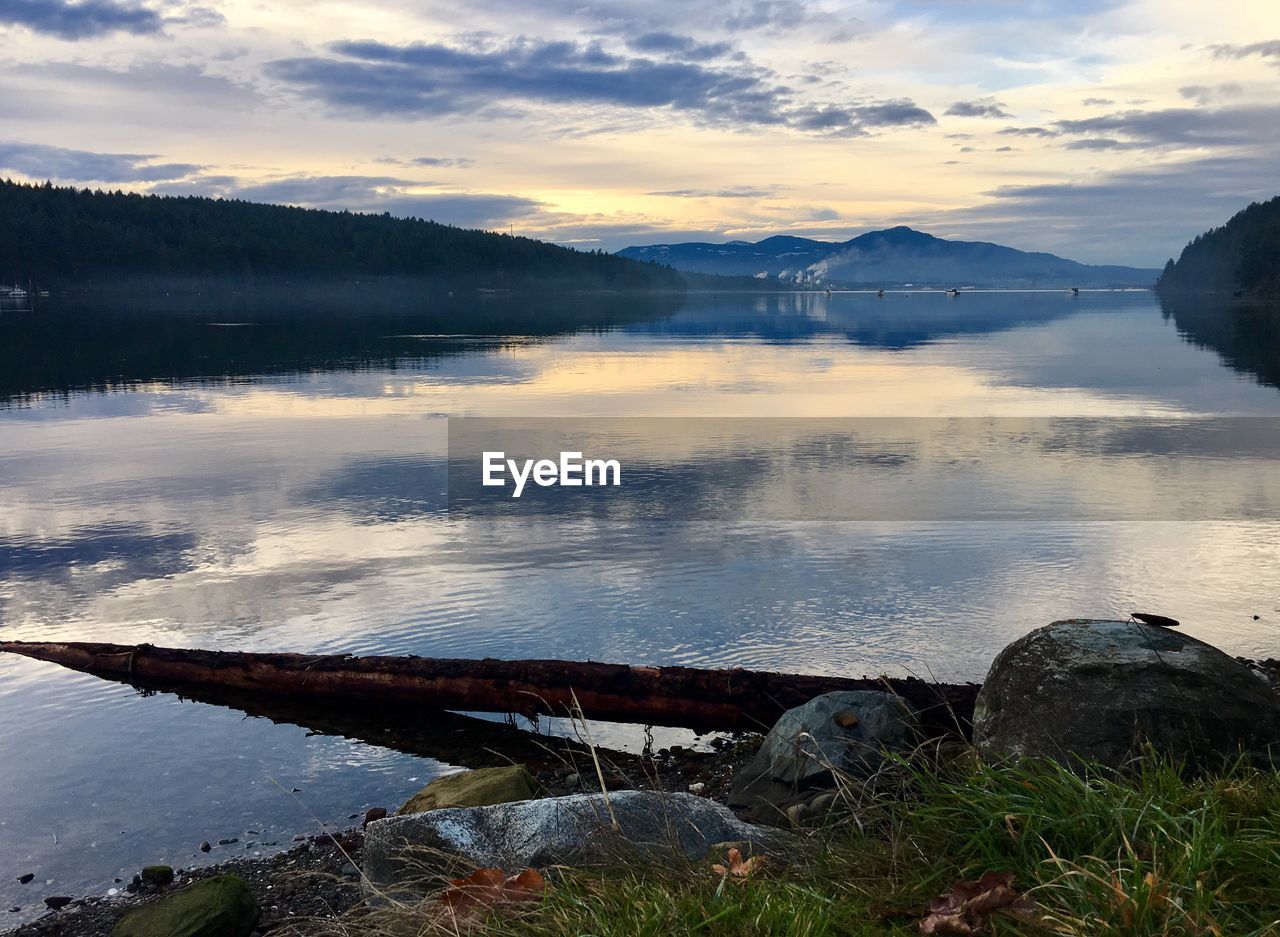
(891,257)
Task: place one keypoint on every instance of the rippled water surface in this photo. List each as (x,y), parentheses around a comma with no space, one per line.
(250,478)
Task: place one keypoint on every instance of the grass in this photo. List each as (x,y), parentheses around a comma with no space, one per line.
(1155,852)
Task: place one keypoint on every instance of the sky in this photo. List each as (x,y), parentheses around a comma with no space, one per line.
(1109,131)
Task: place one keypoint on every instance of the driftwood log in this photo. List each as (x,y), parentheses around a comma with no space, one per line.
(664,696)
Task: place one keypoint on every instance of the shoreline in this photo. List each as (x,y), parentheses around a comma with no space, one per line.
(319,877)
(316,878)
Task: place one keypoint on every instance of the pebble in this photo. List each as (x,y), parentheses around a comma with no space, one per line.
(572,780)
(349,870)
(374,813)
(697,787)
(24,879)
(846,719)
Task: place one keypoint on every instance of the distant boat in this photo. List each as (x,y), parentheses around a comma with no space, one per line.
(17,292)
(880,294)
(1075,291)
(953,292)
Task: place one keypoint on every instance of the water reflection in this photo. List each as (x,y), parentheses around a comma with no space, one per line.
(1245,335)
(281,486)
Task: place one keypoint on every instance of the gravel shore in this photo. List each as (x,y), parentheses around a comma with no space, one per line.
(318,878)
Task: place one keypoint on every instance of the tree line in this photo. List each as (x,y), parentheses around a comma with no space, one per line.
(1242,256)
(51,234)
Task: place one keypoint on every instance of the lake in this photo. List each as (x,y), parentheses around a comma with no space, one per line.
(245,474)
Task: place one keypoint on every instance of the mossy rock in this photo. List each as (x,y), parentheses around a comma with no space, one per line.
(482,787)
(221,906)
(157,875)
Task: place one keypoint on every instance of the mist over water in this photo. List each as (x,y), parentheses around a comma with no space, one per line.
(247,477)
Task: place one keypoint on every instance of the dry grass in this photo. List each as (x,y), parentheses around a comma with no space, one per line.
(1152,853)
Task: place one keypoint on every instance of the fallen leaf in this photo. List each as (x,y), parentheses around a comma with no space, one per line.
(969,906)
(737,868)
(487,889)
(846,719)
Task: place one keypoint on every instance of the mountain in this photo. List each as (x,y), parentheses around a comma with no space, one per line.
(52,235)
(1241,256)
(892,257)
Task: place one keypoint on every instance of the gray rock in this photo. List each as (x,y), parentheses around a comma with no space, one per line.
(849,731)
(1099,690)
(556,830)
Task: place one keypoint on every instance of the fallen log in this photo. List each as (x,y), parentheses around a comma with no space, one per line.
(667,696)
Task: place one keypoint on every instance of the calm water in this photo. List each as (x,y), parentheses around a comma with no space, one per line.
(240,476)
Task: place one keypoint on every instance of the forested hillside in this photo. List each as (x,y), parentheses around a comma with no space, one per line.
(52,235)
(1243,255)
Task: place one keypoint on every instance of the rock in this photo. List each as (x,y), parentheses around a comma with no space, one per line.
(221,906)
(157,876)
(57,902)
(205,847)
(26,878)
(848,730)
(572,780)
(556,830)
(350,870)
(479,788)
(229,841)
(697,787)
(1099,690)
(374,813)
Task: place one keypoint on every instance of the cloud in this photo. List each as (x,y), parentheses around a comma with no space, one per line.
(321,191)
(83,20)
(1270,49)
(1204,94)
(37,161)
(421,80)
(1097,102)
(1027,132)
(446,161)
(197,17)
(372,194)
(434,162)
(1147,214)
(1102,143)
(982,107)
(1184,126)
(683,47)
(737,191)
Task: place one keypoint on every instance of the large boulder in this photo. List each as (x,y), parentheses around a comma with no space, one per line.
(849,731)
(221,906)
(1082,690)
(479,788)
(402,852)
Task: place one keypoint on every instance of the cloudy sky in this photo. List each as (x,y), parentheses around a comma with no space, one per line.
(1105,130)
